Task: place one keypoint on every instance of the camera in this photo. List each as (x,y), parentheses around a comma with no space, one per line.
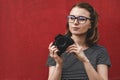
(62,42)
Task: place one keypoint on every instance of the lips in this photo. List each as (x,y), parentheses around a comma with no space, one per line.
(75,28)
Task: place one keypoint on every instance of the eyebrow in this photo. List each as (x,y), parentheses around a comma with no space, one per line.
(81,16)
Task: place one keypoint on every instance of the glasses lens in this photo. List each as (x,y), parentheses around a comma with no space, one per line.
(82,19)
(71,18)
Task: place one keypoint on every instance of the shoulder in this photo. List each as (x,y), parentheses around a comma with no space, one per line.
(100,50)
(102,55)
(98,47)
(96,50)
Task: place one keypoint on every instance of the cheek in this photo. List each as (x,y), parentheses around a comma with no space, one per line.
(84,28)
(70,25)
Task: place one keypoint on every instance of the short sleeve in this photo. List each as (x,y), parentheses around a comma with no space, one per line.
(103,57)
(51,61)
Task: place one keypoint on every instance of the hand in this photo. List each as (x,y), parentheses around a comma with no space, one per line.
(78,51)
(53,53)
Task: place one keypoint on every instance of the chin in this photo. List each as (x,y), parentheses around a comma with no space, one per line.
(78,33)
(75,33)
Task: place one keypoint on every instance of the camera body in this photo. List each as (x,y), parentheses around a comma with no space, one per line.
(62,42)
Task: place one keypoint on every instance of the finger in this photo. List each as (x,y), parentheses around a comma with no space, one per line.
(50,45)
(71,46)
(54,53)
(54,50)
(71,50)
(51,52)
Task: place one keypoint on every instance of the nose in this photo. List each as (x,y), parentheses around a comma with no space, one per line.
(76,22)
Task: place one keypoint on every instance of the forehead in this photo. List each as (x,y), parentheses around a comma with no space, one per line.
(79,12)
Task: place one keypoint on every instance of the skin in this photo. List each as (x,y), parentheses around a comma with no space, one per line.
(78,35)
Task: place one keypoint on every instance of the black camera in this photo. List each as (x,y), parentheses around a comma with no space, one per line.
(62,42)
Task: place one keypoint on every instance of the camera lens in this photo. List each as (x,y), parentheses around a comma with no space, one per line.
(62,42)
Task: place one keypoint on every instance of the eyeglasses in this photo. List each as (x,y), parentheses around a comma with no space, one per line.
(80,19)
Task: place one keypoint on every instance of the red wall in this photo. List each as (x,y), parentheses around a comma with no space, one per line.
(28,26)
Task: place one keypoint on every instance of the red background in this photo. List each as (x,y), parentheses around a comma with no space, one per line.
(28,26)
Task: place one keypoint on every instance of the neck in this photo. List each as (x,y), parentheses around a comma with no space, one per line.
(79,39)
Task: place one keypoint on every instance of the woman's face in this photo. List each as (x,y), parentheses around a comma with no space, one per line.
(80,25)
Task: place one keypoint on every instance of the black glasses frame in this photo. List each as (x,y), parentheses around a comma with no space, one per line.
(79,18)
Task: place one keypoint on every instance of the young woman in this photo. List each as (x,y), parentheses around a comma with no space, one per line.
(85,59)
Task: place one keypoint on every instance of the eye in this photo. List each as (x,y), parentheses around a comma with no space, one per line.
(81,18)
(71,17)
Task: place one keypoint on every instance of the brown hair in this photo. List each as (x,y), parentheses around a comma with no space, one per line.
(92,34)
